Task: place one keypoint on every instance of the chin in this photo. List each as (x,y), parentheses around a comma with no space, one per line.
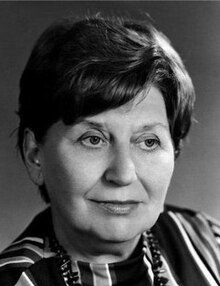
(122,228)
(120,232)
(118,237)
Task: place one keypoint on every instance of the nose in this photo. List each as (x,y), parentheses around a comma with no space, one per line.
(121,170)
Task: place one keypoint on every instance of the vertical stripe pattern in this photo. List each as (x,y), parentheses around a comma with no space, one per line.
(101,275)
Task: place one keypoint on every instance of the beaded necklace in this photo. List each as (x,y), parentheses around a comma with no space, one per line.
(71,277)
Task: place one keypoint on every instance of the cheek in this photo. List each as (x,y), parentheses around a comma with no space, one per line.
(70,175)
(164,170)
(156,175)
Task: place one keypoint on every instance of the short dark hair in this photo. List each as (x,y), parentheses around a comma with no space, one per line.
(82,68)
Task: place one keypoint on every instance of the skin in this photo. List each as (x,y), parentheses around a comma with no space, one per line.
(107,177)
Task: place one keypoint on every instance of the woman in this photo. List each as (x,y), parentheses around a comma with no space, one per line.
(104,107)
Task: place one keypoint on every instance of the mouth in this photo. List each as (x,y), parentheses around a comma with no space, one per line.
(118,207)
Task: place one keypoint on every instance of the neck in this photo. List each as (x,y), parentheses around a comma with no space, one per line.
(89,248)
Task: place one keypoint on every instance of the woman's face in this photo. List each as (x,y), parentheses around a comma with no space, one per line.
(107,176)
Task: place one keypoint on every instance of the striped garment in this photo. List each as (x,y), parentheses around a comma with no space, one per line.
(189,244)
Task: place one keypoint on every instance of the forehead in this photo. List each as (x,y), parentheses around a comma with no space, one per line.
(146,112)
(147,108)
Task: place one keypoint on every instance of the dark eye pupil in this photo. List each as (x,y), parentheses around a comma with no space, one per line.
(94,140)
(149,142)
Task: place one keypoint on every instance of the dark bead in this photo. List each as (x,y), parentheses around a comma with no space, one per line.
(73,280)
(65,273)
(157,264)
(164,280)
(74,275)
(63,268)
(161,281)
(156,253)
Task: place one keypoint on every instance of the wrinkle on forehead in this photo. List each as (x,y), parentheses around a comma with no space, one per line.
(146,110)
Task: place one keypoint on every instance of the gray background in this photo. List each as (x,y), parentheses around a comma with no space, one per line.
(193,28)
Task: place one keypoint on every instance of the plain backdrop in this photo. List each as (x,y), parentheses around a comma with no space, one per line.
(194,30)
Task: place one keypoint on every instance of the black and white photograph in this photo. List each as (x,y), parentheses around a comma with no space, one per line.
(110,143)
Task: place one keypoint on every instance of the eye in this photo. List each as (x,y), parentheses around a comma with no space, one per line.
(93,141)
(149,144)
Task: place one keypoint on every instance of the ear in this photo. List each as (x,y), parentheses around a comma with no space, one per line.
(32,157)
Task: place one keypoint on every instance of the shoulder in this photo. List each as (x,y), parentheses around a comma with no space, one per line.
(193,239)
(19,256)
(197,232)
(24,252)
(193,220)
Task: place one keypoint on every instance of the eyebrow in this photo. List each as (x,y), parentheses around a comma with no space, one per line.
(145,127)
(91,123)
(153,125)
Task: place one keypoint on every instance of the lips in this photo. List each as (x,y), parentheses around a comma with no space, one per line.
(118,207)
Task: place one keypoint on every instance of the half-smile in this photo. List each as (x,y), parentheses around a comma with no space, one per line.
(117,207)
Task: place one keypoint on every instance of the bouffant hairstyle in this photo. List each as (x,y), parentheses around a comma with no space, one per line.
(82,68)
